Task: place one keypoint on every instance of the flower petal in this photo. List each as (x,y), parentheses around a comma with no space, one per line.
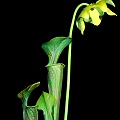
(109,12)
(94,14)
(102,5)
(110,2)
(81,25)
(85,12)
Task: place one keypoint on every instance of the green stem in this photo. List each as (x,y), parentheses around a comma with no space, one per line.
(69,61)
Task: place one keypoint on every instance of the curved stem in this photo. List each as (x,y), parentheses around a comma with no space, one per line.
(69,61)
(73,18)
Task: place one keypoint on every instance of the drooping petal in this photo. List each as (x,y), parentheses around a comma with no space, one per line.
(109,12)
(102,5)
(110,2)
(94,14)
(81,25)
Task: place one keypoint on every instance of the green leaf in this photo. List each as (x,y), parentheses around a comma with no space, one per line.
(110,2)
(54,48)
(45,103)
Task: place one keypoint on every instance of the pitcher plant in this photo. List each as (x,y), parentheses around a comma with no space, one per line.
(49,103)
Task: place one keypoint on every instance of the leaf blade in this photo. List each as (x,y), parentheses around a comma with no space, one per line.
(45,102)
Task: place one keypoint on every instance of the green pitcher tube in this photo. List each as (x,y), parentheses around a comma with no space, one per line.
(55,78)
(30,113)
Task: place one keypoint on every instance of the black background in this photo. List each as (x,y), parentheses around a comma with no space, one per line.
(95,58)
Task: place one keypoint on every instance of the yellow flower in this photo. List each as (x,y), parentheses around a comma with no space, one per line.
(93,13)
(103,6)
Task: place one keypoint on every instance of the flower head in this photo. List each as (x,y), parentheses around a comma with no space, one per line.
(93,13)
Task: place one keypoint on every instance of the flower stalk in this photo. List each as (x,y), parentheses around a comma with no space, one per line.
(69,60)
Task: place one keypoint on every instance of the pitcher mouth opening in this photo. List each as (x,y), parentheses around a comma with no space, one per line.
(57,64)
